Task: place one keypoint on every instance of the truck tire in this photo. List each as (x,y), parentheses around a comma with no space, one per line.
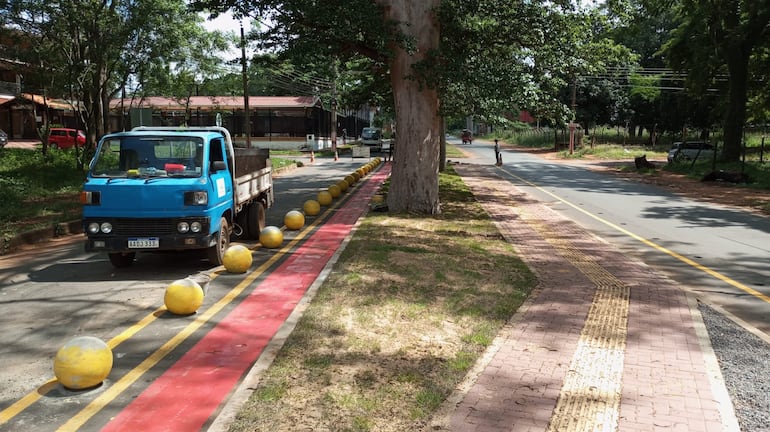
(256,219)
(121,260)
(217,252)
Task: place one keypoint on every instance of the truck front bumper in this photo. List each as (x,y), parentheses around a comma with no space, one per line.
(146,235)
(147,244)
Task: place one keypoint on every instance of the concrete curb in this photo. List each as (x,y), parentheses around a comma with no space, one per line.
(61,229)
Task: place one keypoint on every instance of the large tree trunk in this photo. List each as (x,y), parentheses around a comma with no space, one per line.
(735,115)
(414,179)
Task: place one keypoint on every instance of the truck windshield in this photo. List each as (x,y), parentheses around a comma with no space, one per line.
(155,156)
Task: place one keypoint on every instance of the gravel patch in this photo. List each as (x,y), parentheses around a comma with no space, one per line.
(744,360)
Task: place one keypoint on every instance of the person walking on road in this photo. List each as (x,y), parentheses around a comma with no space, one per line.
(498,156)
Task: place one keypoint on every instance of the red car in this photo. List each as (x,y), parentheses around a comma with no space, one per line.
(65,138)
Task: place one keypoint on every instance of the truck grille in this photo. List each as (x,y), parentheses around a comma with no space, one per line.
(143,227)
(150,227)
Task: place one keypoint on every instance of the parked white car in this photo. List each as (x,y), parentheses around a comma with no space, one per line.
(690,150)
(372,137)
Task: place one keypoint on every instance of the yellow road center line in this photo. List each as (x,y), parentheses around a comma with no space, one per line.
(688,261)
(127,380)
(31,398)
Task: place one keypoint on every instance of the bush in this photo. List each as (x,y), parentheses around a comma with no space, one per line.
(37,190)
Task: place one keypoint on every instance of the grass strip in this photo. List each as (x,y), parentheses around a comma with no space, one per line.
(408,308)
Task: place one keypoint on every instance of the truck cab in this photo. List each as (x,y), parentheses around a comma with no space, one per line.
(171,189)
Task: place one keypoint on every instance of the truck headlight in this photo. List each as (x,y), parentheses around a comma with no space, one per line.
(93,228)
(106,227)
(196,227)
(183,227)
(198,198)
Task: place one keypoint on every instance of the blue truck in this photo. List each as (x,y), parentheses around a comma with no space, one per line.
(162,189)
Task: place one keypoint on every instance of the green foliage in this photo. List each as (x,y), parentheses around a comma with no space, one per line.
(718,39)
(92,49)
(528,138)
(645,88)
(279,162)
(495,57)
(37,190)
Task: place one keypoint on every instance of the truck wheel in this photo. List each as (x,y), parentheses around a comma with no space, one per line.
(217,252)
(121,260)
(256,219)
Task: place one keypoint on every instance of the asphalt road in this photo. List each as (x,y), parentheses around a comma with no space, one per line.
(51,294)
(720,254)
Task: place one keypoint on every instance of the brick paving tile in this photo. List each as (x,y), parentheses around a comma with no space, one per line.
(665,381)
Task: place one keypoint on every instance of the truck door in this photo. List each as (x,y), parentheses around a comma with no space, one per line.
(222,180)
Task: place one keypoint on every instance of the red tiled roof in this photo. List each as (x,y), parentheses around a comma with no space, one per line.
(217,102)
(53,103)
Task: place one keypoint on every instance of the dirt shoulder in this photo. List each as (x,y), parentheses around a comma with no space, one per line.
(756,201)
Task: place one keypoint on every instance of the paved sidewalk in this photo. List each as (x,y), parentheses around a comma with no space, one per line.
(605,343)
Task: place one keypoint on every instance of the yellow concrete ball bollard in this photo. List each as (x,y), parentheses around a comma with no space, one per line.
(183,297)
(237,259)
(350,180)
(343,185)
(271,237)
(324,198)
(82,363)
(311,207)
(378,198)
(356,175)
(294,220)
(334,190)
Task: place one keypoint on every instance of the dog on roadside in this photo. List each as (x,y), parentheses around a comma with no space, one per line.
(727,176)
(641,162)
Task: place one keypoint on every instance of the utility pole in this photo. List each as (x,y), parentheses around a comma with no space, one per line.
(572,124)
(247,120)
(334,111)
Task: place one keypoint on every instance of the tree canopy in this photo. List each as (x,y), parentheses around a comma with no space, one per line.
(657,64)
(718,49)
(482,58)
(91,50)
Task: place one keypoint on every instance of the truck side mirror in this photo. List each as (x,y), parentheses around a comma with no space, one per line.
(218,166)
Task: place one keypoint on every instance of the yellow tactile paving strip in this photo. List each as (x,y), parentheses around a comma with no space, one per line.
(590,396)
(559,364)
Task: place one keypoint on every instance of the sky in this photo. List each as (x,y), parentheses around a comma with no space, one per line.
(224,22)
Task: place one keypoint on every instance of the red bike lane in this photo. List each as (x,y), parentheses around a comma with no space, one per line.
(187,395)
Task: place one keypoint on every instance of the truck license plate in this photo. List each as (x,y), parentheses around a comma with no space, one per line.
(143,243)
